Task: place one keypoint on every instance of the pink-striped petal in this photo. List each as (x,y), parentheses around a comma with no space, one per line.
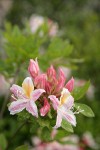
(36,94)
(70,84)
(55,101)
(17,106)
(32,108)
(69,116)
(45,109)
(17,91)
(58,120)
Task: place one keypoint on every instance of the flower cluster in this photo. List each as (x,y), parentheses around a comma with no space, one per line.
(49,89)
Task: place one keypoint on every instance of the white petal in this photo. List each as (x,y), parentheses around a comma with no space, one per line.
(69,102)
(66,99)
(55,101)
(28,86)
(58,120)
(65,91)
(36,94)
(32,108)
(17,106)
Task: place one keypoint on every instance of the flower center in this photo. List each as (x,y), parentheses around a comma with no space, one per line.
(64,98)
(28,90)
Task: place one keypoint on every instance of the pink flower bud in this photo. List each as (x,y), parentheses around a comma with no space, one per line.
(61,80)
(51,72)
(48,87)
(70,84)
(33,68)
(45,109)
(40,81)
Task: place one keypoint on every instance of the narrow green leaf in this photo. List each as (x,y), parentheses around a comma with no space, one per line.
(80,91)
(87,111)
(23,147)
(3,142)
(67,126)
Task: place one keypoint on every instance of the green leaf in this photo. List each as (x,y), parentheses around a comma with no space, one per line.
(23,147)
(87,110)
(34,126)
(46,134)
(23,115)
(3,142)
(44,122)
(66,125)
(80,91)
(60,134)
(59,48)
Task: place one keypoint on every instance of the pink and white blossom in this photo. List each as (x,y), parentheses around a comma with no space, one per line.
(50,81)
(25,97)
(36,22)
(89,141)
(53,28)
(63,107)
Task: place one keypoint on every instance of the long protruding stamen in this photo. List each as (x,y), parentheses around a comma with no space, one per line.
(19,93)
(78,110)
(14,98)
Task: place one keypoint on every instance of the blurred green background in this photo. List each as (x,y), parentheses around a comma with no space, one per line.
(79,23)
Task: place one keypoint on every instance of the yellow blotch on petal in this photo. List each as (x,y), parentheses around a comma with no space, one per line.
(64,98)
(27,89)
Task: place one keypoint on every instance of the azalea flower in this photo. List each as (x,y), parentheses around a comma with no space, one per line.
(36,22)
(50,81)
(89,140)
(63,107)
(25,97)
